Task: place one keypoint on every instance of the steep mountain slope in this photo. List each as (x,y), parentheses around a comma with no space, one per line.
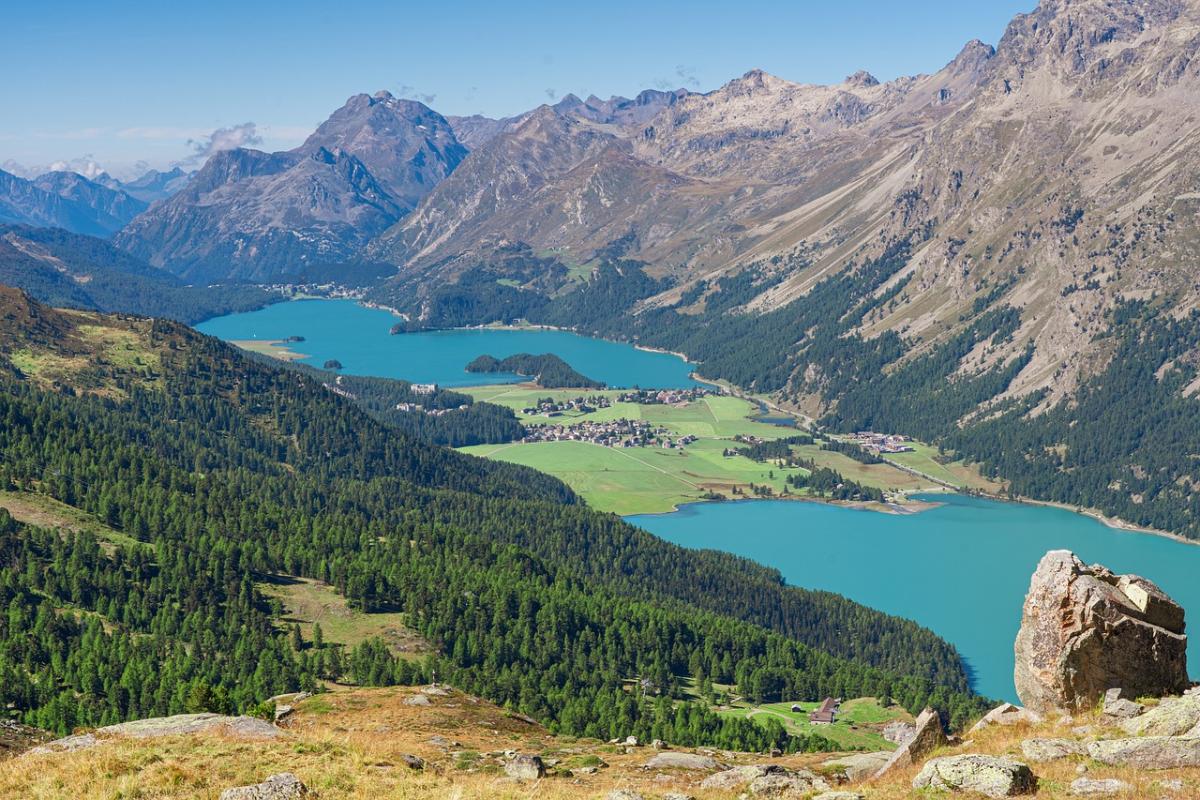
(68,269)
(700,174)
(66,200)
(248,214)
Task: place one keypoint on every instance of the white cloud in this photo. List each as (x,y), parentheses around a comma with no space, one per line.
(244,135)
(85,165)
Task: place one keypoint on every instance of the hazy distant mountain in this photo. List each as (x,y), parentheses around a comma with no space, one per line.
(66,200)
(476,130)
(150,187)
(259,215)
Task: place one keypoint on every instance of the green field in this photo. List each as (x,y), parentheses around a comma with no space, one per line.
(648,480)
(859,722)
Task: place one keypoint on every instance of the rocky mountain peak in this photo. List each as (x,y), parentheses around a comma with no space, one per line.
(862,79)
(406,145)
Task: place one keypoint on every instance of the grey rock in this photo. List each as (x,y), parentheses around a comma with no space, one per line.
(899,732)
(1173,716)
(673,760)
(435,691)
(858,766)
(1085,630)
(658,744)
(1171,784)
(928,737)
(412,762)
(736,777)
(677,796)
(525,767)
(1052,749)
(992,776)
(284,786)
(417,700)
(624,794)
(1123,709)
(1093,787)
(786,783)
(1147,752)
(631,741)
(238,727)
(1007,714)
(67,744)
(838,795)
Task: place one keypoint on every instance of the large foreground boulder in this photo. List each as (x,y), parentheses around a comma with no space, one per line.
(1085,630)
(525,767)
(991,776)
(927,737)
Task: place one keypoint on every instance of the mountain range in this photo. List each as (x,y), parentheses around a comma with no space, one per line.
(999,217)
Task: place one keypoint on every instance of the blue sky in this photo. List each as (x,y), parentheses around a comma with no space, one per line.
(119,83)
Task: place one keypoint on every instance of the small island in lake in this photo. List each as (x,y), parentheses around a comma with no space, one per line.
(547,370)
(333,363)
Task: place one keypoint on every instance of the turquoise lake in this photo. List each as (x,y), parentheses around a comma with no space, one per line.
(961,569)
(361,340)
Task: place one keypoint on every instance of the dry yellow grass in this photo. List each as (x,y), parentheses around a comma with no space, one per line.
(349,743)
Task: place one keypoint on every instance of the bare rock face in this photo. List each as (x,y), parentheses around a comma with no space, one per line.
(1085,630)
(672,760)
(927,737)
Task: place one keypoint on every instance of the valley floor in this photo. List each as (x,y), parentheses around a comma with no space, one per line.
(650,480)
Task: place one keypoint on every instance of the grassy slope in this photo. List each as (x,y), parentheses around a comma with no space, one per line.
(349,744)
(308,602)
(859,723)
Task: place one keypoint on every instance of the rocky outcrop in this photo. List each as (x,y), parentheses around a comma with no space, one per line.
(787,783)
(178,725)
(284,786)
(1117,706)
(693,761)
(898,732)
(1085,630)
(1173,716)
(1052,749)
(1093,787)
(927,737)
(1148,752)
(525,767)
(858,766)
(1006,714)
(737,777)
(990,776)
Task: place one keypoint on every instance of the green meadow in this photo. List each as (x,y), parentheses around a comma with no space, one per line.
(650,480)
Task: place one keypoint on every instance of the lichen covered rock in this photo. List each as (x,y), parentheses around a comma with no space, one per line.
(991,776)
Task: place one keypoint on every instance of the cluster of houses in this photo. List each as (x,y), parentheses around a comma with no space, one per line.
(433,412)
(554,408)
(615,433)
(882,442)
(668,397)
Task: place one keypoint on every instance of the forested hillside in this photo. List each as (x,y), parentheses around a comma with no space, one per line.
(70,269)
(212,471)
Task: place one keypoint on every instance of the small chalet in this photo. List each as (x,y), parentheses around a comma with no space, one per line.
(826,714)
